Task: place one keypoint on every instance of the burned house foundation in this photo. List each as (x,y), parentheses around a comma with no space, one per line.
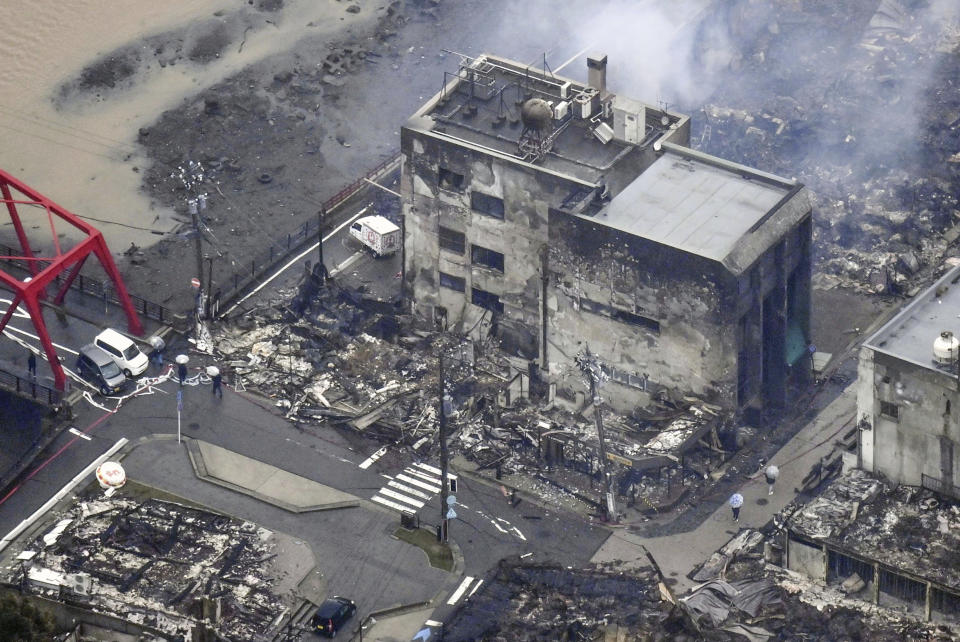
(892,547)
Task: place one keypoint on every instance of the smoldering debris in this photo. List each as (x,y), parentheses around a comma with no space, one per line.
(158,564)
(526,602)
(860,102)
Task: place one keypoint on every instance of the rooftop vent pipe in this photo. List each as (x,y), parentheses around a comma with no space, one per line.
(597,72)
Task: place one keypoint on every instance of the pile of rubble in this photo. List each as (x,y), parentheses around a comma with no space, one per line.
(522,602)
(325,353)
(860,102)
(743,596)
(158,564)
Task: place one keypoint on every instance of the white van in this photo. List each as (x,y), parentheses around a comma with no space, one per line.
(123,351)
(378,233)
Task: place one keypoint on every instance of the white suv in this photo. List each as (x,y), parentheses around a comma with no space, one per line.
(123,351)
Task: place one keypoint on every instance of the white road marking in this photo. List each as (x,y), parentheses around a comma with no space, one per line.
(436,471)
(433,623)
(372,458)
(519,534)
(460,590)
(79,434)
(423,476)
(401,498)
(475,587)
(418,483)
(408,490)
(393,505)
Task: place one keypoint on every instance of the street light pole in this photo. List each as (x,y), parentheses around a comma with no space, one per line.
(444,465)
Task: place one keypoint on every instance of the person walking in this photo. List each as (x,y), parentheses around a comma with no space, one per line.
(736,501)
(182,372)
(32,364)
(217,382)
(771,472)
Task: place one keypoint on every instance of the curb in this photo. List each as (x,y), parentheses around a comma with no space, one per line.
(200,469)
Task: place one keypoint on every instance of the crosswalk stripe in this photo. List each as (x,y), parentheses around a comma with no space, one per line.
(475,587)
(374,457)
(436,471)
(401,497)
(422,475)
(408,490)
(460,589)
(393,505)
(418,483)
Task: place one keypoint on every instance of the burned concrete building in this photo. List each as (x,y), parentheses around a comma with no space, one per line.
(908,397)
(557,216)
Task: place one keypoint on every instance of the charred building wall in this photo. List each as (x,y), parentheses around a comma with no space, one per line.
(680,270)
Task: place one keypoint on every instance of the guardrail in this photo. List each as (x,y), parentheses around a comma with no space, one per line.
(267,260)
(29,387)
(96,287)
(939,486)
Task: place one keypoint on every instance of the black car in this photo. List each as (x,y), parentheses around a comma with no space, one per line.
(332,614)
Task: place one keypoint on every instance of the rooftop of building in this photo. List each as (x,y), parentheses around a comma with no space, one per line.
(480,105)
(697,203)
(906,529)
(909,336)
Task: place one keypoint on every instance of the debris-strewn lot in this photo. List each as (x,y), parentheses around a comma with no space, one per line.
(526,602)
(744,597)
(860,101)
(159,564)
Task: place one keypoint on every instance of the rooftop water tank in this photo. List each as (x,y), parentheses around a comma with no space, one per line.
(946,348)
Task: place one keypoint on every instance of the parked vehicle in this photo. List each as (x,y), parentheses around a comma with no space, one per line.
(123,351)
(99,368)
(377,233)
(332,615)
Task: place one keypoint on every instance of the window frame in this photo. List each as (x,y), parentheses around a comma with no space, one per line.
(485,257)
(487,205)
(451,246)
(452,281)
(489,300)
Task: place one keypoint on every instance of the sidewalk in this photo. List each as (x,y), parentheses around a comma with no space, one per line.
(678,554)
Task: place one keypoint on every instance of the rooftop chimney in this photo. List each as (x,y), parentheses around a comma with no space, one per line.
(597,72)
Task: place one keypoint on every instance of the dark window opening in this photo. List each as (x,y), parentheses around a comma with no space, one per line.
(480,255)
(450,180)
(452,240)
(486,204)
(636,319)
(453,282)
(486,300)
(619,315)
(890,410)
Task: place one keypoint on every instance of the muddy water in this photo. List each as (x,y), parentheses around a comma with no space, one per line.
(79,147)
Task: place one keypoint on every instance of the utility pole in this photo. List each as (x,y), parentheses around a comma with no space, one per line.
(444,465)
(198,247)
(595,376)
(321,215)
